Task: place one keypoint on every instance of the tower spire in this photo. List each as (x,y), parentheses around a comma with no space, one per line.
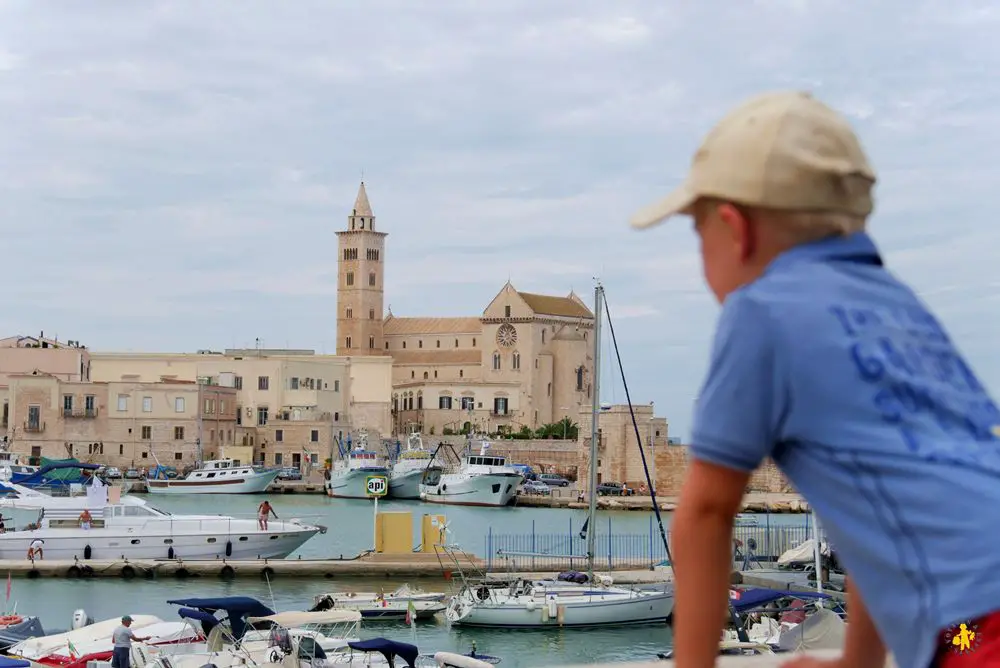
(361,205)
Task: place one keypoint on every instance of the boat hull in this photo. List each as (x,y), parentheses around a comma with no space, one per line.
(593,611)
(352,483)
(245,484)
(405,485)
(159,543)
(487,489)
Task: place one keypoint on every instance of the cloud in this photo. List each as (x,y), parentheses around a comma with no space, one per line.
(174,175)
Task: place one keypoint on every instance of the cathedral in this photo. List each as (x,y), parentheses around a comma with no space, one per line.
(525,361)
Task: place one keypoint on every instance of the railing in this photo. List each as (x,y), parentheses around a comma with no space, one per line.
(34,427)
(535,550)
(80,412)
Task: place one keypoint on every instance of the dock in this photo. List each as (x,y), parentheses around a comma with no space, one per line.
(368,565)
(753,502)
(764,661)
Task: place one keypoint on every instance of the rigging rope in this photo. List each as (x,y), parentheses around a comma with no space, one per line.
(635,426)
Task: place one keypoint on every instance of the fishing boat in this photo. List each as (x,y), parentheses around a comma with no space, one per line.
(216,476)
(128,527)
(408,470)
(402,604)
(349,476)
(11,464)
(481,480)
(589,600)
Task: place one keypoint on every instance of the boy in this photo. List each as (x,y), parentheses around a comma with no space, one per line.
(828,364)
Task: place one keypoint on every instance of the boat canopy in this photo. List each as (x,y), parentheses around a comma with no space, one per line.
(388,648)
(208,620)
(748,599)
(11,662)
(237,609)
(55,471)
(293,618)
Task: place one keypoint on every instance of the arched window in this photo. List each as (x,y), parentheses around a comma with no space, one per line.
(496,361)
(515,361)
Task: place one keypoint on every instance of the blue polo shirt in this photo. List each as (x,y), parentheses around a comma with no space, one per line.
(835,369)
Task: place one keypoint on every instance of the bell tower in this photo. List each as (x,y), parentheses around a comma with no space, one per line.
(360,273)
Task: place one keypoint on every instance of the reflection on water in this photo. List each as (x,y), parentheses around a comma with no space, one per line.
(54,601)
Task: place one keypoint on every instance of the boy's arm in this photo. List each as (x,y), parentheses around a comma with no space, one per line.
(702,533)
(863,645)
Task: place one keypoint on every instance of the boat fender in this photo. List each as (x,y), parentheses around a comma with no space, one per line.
(87,571)
(229,548)
(267,573)
(128,572)
(170,552)
(87,551)
(181,573)
(561,615)
(530,605)
(73,572)
(10,620)
(227,572)
(553,606)
(444,488)
(545,613)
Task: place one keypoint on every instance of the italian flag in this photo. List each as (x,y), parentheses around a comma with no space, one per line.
(73,654)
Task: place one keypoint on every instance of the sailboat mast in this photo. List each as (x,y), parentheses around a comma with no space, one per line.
(594,435)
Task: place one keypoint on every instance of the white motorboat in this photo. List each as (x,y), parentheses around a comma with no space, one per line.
(408,470)
(482,480)
(12,464)
(594,601)
(399,604)
(128,527)
(349,476)
(216,476)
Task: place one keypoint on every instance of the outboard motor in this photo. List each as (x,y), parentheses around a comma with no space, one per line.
(81,619)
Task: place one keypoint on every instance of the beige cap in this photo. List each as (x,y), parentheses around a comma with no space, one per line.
(783,150)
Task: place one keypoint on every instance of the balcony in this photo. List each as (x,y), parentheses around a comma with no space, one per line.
(31,427)
(85,413)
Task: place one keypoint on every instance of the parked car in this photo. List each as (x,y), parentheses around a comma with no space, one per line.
(290,473)
(553,480)
(611,489)
(113,472)
(133,474)
(536,487)
(525,471)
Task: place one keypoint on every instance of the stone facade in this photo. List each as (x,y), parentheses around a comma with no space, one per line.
(126,424)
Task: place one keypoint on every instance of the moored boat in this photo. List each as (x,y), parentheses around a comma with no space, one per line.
(408,470)
(481,480)
(349,477)
(216,476)
(403,603)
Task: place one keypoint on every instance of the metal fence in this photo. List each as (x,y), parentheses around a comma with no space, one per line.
(547,550)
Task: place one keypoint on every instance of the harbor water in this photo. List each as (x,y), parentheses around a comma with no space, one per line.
(349,531)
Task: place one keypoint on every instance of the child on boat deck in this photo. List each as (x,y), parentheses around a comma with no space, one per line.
(829,365)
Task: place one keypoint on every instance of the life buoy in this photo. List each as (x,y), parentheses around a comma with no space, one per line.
(10,620)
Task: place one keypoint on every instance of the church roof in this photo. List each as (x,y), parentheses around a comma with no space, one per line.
(361,205)
(399,326)
(566,307)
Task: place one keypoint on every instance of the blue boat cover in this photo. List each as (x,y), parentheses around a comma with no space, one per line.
(237,609)
(206,618)
(388,649)
(10,662)
(748,599)
(41,476)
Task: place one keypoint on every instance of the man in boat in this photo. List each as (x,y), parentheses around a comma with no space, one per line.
(263,510)
(828,364)
(123,637)
(85,519)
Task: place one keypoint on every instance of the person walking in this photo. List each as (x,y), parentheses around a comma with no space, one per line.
(827,363)
(263,510)
(123,637)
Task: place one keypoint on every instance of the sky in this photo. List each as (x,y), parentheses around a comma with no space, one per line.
(173,173)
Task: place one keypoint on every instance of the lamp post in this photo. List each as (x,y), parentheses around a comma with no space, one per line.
(565,419)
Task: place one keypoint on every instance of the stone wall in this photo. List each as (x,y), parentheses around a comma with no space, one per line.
(671,465)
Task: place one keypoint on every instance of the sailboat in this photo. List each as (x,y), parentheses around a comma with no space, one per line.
(595,601)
